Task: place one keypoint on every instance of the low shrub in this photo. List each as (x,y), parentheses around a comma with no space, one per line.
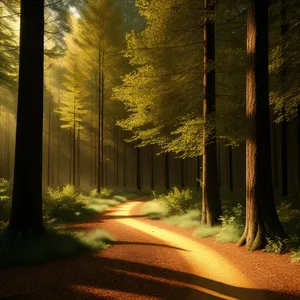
(187,220)
(56,244)
(207,231)
(233,223)
(5,200)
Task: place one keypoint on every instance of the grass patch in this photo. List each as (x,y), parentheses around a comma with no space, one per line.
(56,245)
(187,220)
(155,209)
(207,231)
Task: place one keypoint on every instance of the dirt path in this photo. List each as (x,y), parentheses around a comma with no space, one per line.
(150,260)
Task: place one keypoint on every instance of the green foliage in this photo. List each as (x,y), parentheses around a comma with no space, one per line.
(207,231)
(56,244)
(188,220)
(69,206)
(232,225)
(155,209)
(295,256)
(276,245)
(182,206)
(5,200)
(180,201)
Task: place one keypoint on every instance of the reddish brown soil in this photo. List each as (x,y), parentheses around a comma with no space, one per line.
(140,266)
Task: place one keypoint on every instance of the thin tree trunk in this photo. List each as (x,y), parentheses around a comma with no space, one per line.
(138,169)
(58,142)
(230,169)
(49,142)
(78,157)
(124,163)
(167,176)
(117,157)
(26,211)
(151,167)
(182,173)
(7,146)
(102,121)
(211,204)
(298,138)
(70,155)
(99,122)
(261,215)
(198,172)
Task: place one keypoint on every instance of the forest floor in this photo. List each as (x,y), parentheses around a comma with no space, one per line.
(153,260)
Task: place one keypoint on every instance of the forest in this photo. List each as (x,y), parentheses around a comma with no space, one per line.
(133,131)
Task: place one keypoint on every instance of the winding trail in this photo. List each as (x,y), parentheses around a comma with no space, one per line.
(150,260)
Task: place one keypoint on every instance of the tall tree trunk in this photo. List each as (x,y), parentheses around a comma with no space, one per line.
(78,157)
(117,157)
(102,121)
(211,204)
(151,167)
(58,142)
(124,162)
(230,168)
(298,138)
(7,146)
(182,173)
(284,165)
(167,176)
(138,169)
(261,215)
(74,148)
(49,143)
(99,164)
(198,172)
(70,155)
(26,211)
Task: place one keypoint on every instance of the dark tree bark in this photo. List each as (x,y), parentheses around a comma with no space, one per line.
(230,168)
(124,161)
(298,138)
(182,173)
(261,215)
(78,157)
(7,146)
(102,122)
(99,138)
(198,172)
(58,142)
(138,169)
(167,176)
(211,204)
(49,141)
(284,163)
(26,211)
(151,167)
(70,155)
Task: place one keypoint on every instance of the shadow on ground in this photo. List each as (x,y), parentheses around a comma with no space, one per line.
(96,277)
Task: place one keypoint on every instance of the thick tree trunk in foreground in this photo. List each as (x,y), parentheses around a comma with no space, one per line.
(284,154)
(26,212)
(261,215)
(211,204)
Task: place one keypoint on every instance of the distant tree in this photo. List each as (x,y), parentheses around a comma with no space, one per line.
(26,211)
(72,107)
(261,216)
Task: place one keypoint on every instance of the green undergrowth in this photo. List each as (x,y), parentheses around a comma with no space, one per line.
(56,244)
(182,207)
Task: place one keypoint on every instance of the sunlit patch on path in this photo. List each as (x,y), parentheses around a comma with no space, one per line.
(204,262)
